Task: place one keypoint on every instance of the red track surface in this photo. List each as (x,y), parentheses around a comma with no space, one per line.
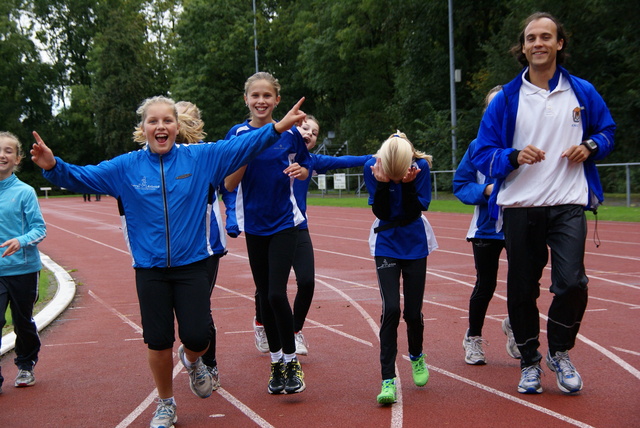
(93,370)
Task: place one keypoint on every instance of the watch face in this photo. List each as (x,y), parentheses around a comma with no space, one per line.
(591,145)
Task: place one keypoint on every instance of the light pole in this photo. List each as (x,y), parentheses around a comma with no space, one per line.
(255,36)
(452,86)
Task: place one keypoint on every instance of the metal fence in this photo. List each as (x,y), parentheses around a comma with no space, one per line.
(442,181)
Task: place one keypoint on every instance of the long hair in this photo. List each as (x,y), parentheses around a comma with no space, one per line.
(142,112)
(191,125)
(516,50)
(397,154)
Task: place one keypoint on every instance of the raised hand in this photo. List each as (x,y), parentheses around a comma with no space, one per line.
(294,117)
(41,154)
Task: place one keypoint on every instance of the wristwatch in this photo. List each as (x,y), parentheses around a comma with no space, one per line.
(590,144)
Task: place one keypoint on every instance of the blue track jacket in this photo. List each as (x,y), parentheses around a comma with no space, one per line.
(20,217)
(163,198)
(497,129)
(468,186)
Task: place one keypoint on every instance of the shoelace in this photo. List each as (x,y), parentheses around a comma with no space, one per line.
(475,345)
(531,373)
(419,366)
(562,361)
(164,410)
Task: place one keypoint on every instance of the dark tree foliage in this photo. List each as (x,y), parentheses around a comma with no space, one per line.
(367,67)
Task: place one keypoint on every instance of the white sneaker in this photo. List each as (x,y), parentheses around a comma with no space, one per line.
(215,377)
(200,380)
(165,415)
(25,378)
(512,347)
(261,337)
(569,380)
(301,344)
(474,354)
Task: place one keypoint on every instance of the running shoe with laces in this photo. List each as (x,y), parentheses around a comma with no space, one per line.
(165,414)
(512,348)
(200,380)
(294,377)
(25,378)
(388,393)
(530,380)
(215,376)
(277,379)
(473,352)
(262,344)
(420,371)
(568,378)
(301,344)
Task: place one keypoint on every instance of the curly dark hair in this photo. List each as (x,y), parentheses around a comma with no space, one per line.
(516,50)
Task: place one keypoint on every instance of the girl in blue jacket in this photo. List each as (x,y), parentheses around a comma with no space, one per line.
(268,213)
(399,183)
(22,228)
(163,194)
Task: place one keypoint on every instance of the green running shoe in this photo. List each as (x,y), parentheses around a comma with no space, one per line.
(420,371)
(388,393)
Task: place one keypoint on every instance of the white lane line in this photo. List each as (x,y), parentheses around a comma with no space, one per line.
(88,239)
(637,354)
(396,409)
(397,419)
(244,408)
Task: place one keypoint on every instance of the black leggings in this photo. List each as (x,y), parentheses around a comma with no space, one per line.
(486,254)
(414,274)
(271,258)
(209,357)
(304,268)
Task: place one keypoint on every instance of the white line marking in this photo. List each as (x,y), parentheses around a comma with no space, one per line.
(637,354)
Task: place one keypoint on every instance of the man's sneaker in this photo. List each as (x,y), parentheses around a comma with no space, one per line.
(215,377)
(568,378)
(301,344)
(512,348)
(165,415)
(261,337)
(200,380)
(25,378)
(277,378)
(388,393)
(530,380)
(473,352)
(294,377)
(420,371)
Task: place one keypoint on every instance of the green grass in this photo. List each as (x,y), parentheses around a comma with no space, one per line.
(46,290)
(447,203)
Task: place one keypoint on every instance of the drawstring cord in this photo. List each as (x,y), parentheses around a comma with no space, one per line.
(596,237)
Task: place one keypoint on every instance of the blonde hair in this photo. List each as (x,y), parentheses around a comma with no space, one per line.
(138,137)
(191,125)
(262,75)
(12,137)
(397,154)
(489,97)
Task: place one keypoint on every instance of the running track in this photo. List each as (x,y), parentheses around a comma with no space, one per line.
(93,370)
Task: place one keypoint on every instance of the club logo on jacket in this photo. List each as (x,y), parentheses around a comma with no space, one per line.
(144,186)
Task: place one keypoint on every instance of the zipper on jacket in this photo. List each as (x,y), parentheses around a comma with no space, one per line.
(166,213)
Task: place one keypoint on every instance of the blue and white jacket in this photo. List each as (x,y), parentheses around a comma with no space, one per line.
(407,242)
(497,129)
(20,218)
(265,203)
(468,186)
(163,199)
(320,164)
